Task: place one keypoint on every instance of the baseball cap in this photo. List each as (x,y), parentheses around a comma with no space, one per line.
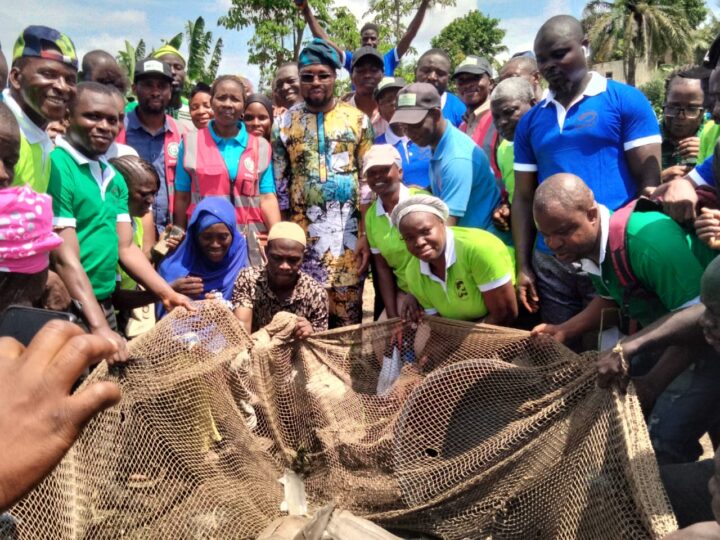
(474,65)
(389,82)
(413,103)
(365,52)
(151,66)
(380,155)
(44,42)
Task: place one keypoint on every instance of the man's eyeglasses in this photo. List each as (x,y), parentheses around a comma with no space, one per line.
(689,112)
(309,78)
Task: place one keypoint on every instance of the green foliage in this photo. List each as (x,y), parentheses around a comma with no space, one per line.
(654,90)
(639,30)
(389,15)
(703,37)
(278,30)
(474,34)
(343,29)
(175,41)
(199,68)
(129,57)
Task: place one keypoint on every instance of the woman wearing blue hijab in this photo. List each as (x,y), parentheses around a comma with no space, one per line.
(211,254)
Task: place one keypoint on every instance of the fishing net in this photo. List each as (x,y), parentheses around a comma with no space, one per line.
(446,430)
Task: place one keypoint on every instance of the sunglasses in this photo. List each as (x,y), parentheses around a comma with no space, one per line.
(309,78)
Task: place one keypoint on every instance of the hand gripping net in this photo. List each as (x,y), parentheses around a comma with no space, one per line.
(486,433)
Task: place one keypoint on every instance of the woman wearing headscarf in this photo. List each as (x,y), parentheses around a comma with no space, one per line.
(224,160)
(455,272)
(210,256)
(258,116)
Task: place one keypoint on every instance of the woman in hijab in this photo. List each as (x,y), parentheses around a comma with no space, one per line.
(456,272)
(258,115)
(210,256)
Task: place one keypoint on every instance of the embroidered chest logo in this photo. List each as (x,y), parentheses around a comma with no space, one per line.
(586,120)
(249,164)
(461,289)
(173,149)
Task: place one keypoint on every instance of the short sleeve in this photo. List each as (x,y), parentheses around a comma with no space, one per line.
(123,212)
(391,62)
(367,137)
(182,178)
(456,181)
(61,188)
(244,290)
(490,263)
(525,160)
(668,268)
(347,60)
(267,181)
(639,124)
(703,174)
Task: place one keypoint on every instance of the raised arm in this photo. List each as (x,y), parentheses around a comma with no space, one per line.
(404,44)
(317,30)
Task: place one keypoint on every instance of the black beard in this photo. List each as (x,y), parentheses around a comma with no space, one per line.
(318,103)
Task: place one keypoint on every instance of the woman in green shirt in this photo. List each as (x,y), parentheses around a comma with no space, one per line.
(456,272)
(382,170)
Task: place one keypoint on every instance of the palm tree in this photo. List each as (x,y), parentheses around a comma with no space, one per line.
(199,47)
(131,56)
(637,30)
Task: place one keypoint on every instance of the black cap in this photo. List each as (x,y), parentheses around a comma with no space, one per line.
(152,67)
(413,103)
(364,52)
(389,82)
(474,65)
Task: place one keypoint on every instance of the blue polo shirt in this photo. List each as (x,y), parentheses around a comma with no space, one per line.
(703,173)
(461,176)
(390,58)
(231,150)
(589,139)
(151,148)
(453,109)
(415,159)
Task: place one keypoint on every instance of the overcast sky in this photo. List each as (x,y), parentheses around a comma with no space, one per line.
(105,24)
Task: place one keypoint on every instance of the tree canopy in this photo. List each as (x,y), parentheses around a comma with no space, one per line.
(474,34)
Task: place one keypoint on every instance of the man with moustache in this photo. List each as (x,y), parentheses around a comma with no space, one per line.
(286,88)
(366,73)
(318,148)
(41,83)
(433,67)
(600,130)
(153,133)
(90,205)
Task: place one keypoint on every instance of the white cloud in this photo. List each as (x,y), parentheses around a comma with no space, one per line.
(129,18)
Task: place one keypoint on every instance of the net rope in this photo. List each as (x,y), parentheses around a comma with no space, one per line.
(486,433)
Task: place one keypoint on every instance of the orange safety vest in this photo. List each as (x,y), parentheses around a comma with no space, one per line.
(171,149)
(209,175)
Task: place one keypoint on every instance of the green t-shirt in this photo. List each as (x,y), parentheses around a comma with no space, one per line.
(126,282)
(476,261)
(32,168)
(505,160)
(384,239)
(93,204)
(708,137)
(667,260)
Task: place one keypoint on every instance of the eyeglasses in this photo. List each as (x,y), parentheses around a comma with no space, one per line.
(689,112)
(309,78)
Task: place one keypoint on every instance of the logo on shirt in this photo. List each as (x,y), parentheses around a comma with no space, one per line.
(461,289)
(249,164)
(586,120)
(173,149)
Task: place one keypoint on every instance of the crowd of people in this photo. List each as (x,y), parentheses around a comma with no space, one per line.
(541,195)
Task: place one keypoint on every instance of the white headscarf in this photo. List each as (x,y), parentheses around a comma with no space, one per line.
(419,203)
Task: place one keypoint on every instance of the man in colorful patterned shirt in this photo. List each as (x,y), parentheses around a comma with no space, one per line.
(318,148)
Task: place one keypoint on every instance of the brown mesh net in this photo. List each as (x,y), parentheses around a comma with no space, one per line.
(485,434)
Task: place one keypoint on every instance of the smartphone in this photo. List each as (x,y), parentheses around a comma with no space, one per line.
(23,322)
(161,247)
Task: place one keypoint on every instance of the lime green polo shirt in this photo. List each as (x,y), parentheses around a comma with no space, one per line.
(91,197)
(708,137)
(505,159)
(476,261)
(126,282)
(32,168)
(667,260)
(384,239)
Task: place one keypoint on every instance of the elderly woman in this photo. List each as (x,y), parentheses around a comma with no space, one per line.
(455,272)
(382,170)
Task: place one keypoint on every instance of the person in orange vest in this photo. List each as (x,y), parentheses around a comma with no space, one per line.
(153,134)
(224,160)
